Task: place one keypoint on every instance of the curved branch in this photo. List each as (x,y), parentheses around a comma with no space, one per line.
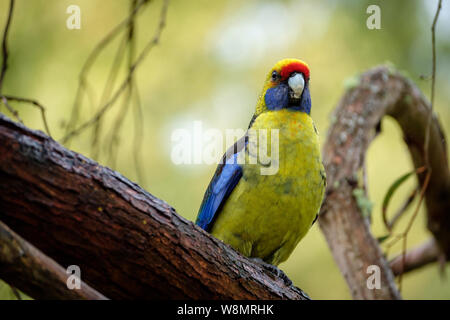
(380,92)
(127,243)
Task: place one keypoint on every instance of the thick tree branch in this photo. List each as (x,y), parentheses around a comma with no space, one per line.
(357,118)
(34,273)
(127,243)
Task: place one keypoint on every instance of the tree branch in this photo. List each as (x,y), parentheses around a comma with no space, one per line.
(416,258)
(127,243)
(358,116)
(34,273)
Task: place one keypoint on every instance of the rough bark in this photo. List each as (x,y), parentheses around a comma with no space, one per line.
(357,118)
(35,273)
(127,243)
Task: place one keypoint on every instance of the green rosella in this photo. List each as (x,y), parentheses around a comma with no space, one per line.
(265,215)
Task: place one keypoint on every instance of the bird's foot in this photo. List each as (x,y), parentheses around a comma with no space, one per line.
(273,269)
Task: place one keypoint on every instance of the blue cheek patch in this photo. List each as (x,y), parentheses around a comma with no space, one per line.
(305,102)
(277,98)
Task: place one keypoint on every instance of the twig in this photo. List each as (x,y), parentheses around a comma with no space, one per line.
(5,61)
(112,77)
(115,130)
(5,45)
(128,85)
(410,224)
(433,79)
(114,136)
(403,208)
(427,138)
(391,242)
(137,137)
(126,82)
(34,103)
(11,109)
(82,85)
(6,98)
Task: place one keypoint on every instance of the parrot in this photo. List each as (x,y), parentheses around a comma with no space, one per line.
(264,216)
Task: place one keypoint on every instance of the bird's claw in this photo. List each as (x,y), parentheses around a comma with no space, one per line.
(273,269)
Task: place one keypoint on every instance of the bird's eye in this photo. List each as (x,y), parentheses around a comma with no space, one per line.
(275,76)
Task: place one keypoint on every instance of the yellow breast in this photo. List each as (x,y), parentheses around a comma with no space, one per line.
(267,214)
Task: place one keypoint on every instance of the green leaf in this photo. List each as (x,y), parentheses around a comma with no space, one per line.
(382,238)
(397,183)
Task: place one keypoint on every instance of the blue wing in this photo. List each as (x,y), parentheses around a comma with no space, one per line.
(225,179)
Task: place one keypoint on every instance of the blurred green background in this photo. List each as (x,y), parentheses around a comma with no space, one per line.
(209,66)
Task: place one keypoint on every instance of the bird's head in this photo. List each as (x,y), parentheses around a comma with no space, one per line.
(286,87)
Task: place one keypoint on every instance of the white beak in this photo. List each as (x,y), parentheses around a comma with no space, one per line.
(296,83)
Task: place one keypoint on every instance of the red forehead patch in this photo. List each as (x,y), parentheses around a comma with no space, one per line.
(294,67)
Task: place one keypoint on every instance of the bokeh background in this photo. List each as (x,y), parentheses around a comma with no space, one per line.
(209,66)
